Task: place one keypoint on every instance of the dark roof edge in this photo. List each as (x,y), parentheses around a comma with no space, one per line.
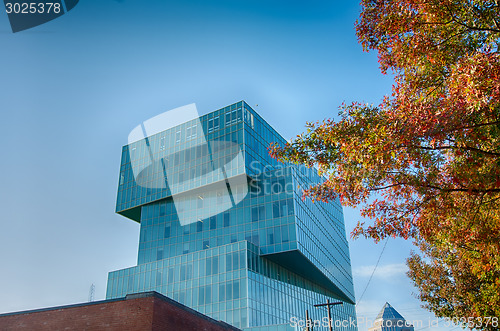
(61,307)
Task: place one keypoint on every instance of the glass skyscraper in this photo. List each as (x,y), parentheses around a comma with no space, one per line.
(224,228)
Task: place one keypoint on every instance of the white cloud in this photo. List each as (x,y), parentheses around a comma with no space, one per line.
(382,271)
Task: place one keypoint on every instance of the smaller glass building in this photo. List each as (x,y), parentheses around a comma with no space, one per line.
(390,320)
(257,257)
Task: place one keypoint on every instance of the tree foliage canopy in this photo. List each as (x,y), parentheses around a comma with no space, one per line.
(431,150)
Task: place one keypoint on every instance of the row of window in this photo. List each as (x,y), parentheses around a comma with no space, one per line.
(212,221)
(197,296)
(221,154)
(319,235)
(178,182)
(210,266)
(274,302)
(281,208)
(231,117)
(226,291)
(191,133)
(272,239)
(155,213)
(143,149)
(213,226)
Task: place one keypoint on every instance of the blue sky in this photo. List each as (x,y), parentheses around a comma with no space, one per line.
(72,90)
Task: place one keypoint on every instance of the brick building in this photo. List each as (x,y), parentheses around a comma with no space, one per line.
(142,311)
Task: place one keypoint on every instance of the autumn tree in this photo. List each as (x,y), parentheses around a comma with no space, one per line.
(429,153)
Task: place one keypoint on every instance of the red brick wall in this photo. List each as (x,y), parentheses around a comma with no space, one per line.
(152,312)
(168,317)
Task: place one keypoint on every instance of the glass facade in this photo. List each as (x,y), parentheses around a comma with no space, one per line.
(224,228)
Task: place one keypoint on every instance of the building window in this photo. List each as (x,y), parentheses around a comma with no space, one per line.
(205,244)
(233,116)
(210,125)
(159,254)
(183,272)
(253,238)
(229,291)
(232,261)
(213,223)
(199,226)
(282,208)
(204,169)
(236,289)
(178,136)
(167,231)
(222,292)
(212,266)
(162,143)
(130,283)
(191,132)
(208,294)
(249,118)
(186,271)
(201,295)
(258,213)
(276,209)
(228,117)
(284,234)
(226,219)
(171,275)
(229,262)
(213,124)
(270,239)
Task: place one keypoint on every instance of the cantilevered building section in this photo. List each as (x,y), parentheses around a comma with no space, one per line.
(224,228)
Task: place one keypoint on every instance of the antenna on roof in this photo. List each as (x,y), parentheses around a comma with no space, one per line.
(91,292)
